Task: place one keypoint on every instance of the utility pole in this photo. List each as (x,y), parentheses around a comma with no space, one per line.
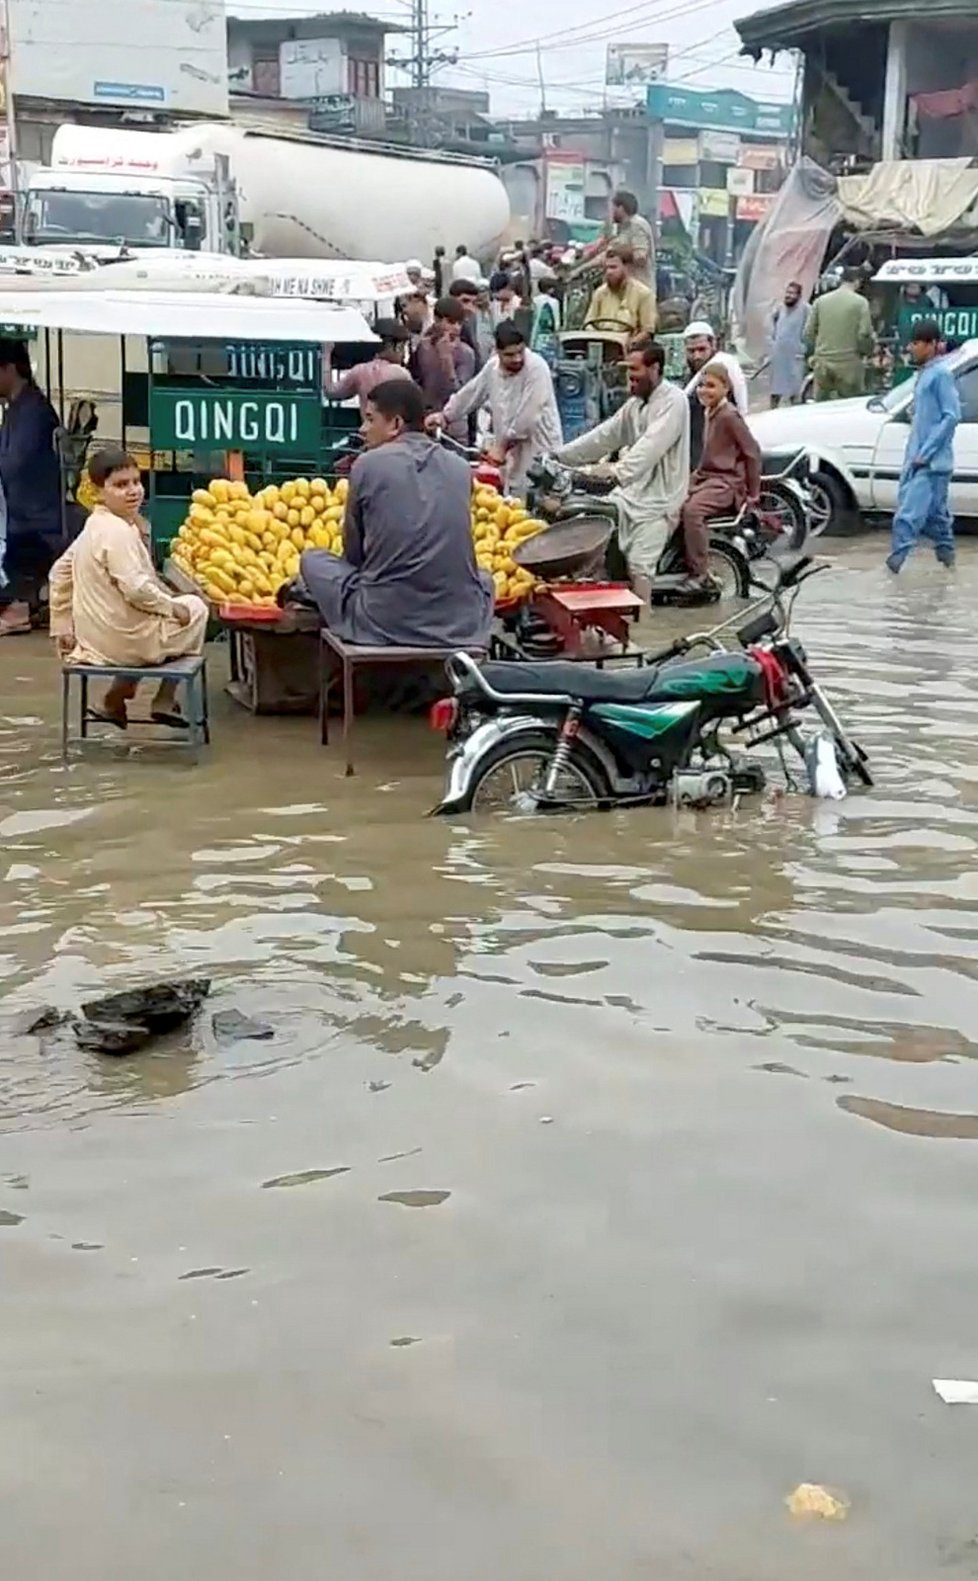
(6,88)
(421,62)
(543,83)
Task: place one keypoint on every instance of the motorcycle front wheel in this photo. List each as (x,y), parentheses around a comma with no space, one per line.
(511,779)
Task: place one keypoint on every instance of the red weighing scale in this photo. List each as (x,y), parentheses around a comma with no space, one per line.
(572,603)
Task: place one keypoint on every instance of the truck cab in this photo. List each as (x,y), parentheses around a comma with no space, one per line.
(97,208)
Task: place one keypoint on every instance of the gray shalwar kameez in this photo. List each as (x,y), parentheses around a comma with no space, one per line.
(407,576)
(788,326)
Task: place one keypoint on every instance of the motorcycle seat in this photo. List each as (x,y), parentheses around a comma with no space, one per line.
(709,676)
(584,681)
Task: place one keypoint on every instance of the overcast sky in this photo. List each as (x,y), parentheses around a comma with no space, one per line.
(497,51)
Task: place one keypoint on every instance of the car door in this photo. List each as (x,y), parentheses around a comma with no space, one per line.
(888,457)
(964,483)
(891,448)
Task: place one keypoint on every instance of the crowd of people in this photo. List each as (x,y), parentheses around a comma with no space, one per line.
(459,359)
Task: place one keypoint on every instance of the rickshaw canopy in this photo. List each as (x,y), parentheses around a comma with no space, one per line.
(180,315)
(928,271)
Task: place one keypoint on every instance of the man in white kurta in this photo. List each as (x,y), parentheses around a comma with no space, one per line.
(517,387)
(109,607)
(650,434)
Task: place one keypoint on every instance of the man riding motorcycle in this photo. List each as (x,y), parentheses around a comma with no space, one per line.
(650,434)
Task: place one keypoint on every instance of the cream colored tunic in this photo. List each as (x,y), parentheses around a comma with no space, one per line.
(652,471)
(105,590)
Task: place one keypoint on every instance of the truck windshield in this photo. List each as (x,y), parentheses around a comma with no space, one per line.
(140,221)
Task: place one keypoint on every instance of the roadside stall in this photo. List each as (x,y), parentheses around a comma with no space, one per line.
(233,394)
(245,452)
(109,378)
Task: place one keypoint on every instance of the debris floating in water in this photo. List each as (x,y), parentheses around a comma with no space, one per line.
(124,1022)
(159,1006)
(111,1037)
(956,1391)
(230,1025)
(810,1501)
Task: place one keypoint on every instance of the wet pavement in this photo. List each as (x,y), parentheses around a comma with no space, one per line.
(605,1178)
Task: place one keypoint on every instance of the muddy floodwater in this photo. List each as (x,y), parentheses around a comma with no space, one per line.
(605,1178)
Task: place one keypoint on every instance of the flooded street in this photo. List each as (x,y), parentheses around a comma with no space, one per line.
(605,1178)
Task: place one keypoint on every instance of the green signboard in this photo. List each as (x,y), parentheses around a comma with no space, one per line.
(726,110)
(286,367)
(18,331)
(208,418)
(957,323)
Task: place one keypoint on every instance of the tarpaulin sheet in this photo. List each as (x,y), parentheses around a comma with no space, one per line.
(789,245)
(928,197)
(924,195)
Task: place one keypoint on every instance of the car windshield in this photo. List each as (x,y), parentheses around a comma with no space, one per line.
(137,219)
(896,396)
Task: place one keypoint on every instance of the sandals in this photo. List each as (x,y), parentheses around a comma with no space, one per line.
(102,716)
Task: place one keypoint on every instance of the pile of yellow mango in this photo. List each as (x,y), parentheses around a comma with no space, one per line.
(500,525)
(240,547)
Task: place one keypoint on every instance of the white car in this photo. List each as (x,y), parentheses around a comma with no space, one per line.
(857,447)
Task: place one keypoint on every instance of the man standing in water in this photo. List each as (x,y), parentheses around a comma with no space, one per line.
(788,324)
(922,503)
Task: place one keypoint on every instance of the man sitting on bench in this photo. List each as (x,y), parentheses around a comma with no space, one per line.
(407,577)
(107,604)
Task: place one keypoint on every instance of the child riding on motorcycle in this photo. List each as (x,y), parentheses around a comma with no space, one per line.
(729,473)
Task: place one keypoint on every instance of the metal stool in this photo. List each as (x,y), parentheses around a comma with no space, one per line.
(190,675)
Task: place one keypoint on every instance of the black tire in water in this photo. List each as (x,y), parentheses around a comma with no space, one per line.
(781,502)
(839,517)
(734,565)
(538,748)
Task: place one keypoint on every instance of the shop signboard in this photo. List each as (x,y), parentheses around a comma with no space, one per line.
(740,183)
(174,60)
(723,148)
(714,203)
(760,156)
(754,208)
(724,110)
(565,187)
(220,419)
(680,151)
(635,65)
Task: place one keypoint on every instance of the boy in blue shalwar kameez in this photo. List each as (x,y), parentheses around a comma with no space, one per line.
(922,499)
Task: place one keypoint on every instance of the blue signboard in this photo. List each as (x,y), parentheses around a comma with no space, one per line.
(725,110)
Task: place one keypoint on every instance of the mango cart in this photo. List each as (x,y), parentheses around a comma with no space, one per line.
(234,393)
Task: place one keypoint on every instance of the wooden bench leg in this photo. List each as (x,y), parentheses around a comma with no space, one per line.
(324,684)
(65,705)
(205,716)
(348,701)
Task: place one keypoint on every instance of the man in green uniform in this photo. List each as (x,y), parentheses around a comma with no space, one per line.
(839,336)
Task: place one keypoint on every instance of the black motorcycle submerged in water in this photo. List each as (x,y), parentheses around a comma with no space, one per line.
(542,737)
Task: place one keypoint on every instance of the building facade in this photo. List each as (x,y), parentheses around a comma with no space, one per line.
(882,80)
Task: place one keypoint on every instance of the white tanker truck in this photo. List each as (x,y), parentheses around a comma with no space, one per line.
(227,187)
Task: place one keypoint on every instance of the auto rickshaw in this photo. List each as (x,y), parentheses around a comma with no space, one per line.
(909,289)
(590,379)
